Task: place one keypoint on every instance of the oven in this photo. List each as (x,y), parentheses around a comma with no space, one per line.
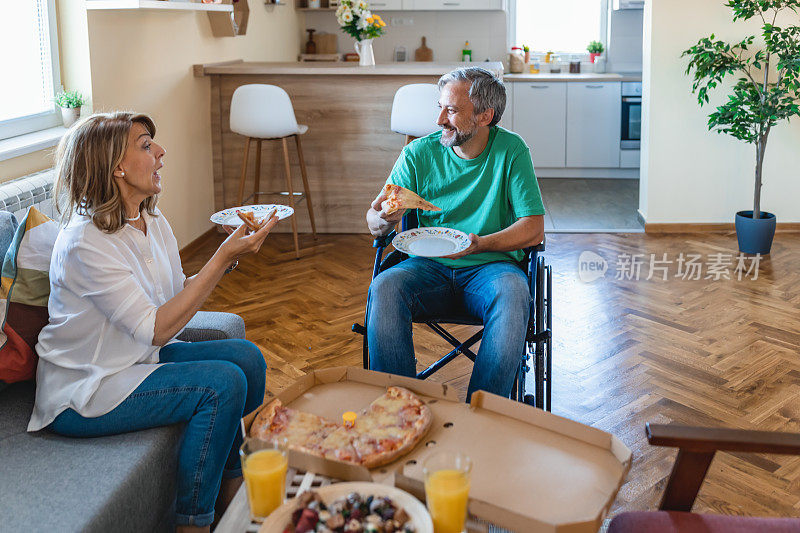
(631,115)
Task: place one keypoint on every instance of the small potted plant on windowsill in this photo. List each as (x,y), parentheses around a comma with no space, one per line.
(70,103)
(595,48)
(766,93)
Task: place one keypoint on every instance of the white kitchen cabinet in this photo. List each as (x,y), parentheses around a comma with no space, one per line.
(453,5)
(593,124)
(539,116)
(386,5)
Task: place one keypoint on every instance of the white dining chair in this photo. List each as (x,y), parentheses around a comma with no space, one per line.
(265,113)
(415,110)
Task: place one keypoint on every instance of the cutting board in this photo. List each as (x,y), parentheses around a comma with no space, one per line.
(423,53)
(326,43)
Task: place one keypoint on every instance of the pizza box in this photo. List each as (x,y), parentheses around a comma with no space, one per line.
(533,471)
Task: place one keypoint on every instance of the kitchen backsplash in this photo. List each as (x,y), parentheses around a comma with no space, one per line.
(485,31)
(445,33)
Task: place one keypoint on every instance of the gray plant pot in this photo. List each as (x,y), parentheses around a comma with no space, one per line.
(755,236)
(70,115)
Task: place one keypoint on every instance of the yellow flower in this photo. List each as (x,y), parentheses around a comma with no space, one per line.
(370,20)
(383,24)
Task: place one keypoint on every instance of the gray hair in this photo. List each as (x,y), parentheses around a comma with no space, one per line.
(486,91)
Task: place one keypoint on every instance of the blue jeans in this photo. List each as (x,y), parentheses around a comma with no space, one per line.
(209,385)
(418,288)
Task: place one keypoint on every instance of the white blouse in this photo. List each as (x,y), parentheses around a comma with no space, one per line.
(105,290)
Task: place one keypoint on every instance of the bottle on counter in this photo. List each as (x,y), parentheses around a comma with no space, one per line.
(535,65)
(575,65)
(555,64)
(516,60)
(466,53)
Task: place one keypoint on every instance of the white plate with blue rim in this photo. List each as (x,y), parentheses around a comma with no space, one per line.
(228,217)
(431,242)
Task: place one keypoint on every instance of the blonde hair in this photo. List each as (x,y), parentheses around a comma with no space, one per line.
(85,161)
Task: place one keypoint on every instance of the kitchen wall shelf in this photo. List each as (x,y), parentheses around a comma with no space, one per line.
(230,24)
(158,5)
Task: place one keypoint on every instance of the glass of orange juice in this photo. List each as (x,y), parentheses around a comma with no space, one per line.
(447,480)
(264,466)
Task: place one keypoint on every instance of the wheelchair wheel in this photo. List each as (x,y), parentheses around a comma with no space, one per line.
(549,352)
(540,322)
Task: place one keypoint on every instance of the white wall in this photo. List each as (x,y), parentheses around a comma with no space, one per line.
(691,175)
(445,32)
(142,61)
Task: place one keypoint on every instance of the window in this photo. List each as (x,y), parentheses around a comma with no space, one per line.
(561,26)
(29,62)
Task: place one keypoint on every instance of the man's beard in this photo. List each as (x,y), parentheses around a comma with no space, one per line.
(459,138)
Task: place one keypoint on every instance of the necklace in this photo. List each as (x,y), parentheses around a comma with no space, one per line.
(137,217)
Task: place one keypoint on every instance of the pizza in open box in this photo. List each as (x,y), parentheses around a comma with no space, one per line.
(387,429)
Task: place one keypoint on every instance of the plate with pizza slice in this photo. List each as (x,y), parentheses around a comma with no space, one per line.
(431,242)
(255,214)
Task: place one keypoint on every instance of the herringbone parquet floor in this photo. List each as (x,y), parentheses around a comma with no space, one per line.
(716,352)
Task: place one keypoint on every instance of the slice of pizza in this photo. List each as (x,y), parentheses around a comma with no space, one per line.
(303,431)
(391,426)
(398,198)
(249,220)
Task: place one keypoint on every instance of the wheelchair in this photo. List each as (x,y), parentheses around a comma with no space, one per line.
(537,351)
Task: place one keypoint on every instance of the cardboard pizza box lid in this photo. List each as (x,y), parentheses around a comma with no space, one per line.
(533,471)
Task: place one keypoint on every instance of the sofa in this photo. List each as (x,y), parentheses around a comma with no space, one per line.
(118,483)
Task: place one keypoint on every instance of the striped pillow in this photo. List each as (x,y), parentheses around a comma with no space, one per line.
(24,291)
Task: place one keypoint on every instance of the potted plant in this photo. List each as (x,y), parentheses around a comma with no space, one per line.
(356,19)
(766,92)
(595,48)
(527,50)
(70,103)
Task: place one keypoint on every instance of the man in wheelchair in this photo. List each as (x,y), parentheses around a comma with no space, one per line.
(482,177)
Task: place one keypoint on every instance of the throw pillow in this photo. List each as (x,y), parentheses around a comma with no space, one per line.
(24,291)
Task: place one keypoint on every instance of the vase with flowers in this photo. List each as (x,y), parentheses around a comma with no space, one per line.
(356,19)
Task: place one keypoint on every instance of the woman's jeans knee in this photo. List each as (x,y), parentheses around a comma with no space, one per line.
(210,386)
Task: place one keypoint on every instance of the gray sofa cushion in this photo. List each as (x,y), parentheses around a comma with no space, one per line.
(52,483)
(210,326)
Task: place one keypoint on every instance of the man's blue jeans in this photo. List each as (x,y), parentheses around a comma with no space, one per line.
(418,288)
(210,386)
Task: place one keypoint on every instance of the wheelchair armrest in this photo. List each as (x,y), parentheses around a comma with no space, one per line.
(384,241)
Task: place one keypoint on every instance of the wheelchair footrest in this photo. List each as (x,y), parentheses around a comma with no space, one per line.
(358,328)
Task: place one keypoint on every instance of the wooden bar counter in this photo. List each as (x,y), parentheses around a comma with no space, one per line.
(349,149)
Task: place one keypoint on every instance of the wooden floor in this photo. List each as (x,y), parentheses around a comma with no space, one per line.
(705,352)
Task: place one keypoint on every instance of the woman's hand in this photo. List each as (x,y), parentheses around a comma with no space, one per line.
(240,242)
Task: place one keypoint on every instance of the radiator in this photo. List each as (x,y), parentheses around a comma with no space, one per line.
(32,190)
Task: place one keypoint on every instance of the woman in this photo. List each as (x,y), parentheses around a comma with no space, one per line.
(108,359)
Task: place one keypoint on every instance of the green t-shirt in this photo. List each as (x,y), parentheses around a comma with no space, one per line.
(481,196)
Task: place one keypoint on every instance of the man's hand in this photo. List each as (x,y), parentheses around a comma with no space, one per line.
(476,246)
(378,221)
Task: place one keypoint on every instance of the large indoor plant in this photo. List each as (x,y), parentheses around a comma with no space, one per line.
(766,92)
(356,19)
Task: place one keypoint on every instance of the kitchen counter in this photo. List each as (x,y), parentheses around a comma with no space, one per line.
(345,68)
(566,76)
(349,148)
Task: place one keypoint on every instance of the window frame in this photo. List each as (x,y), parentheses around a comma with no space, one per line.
(512,24)
(49,119)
